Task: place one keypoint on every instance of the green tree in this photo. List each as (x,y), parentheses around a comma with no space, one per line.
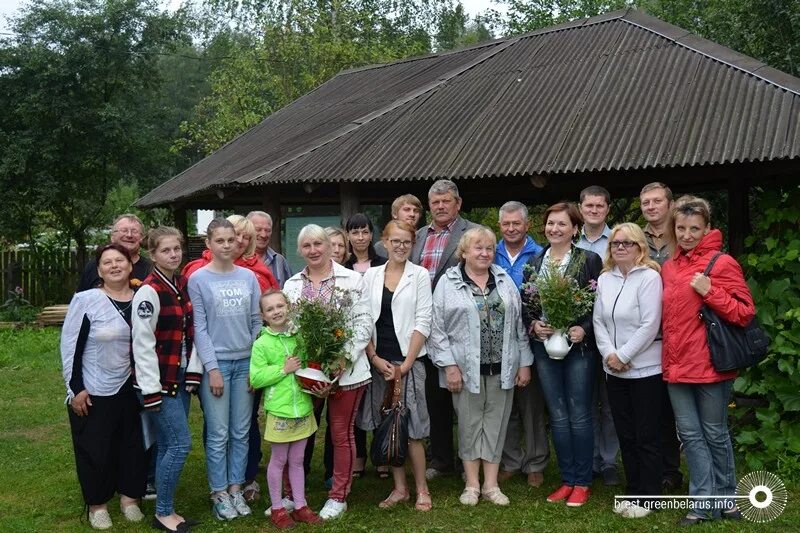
(80,92)
(285,48)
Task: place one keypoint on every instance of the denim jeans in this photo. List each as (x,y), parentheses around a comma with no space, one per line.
(174,443)
(567,387)
(701,412)
(228,425)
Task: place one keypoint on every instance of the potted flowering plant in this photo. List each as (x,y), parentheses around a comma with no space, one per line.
(556,298)
(324,330)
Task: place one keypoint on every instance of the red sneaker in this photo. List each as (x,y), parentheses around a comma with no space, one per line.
(562,493)
(280,519)
(579,496)
(306,515)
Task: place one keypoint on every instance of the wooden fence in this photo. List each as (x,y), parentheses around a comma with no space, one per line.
(47,278)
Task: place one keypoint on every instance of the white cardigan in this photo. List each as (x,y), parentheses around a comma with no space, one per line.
(627,320)
(412,303)
(358,370)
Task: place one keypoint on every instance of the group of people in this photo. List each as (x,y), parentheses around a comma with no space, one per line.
(441,309)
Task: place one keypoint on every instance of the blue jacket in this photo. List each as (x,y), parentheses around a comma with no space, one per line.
(530,249)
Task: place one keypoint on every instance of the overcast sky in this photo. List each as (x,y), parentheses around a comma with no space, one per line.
(8,7)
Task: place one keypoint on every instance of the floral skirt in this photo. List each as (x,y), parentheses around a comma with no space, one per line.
(289,429)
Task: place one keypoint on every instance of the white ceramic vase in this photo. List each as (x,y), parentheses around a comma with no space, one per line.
(557,346)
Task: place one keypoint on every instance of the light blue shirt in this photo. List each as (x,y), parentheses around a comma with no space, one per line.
(599,245)
(226,314)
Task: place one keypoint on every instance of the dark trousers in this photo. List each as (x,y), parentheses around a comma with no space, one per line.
(254,454)
(440,411)
(636,407)
(319,406)
(109,448)
(670,445)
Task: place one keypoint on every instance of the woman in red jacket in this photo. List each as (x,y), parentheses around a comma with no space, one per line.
(698,393)
(244,256)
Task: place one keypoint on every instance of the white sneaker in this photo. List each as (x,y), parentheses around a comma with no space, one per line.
(237,499)
(222,506)
(287,504)
(332,509)
(636,511)
(149,492)
(620,506)
(100,519)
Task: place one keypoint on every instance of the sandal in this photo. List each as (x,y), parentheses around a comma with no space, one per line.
(422,504)
(393,499)
(383,472)
(358,474)
(495,496)
(470,496)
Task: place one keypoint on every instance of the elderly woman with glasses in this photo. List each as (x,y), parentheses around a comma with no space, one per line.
(627,322)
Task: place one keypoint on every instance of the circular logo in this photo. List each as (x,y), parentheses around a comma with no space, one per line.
(761,496)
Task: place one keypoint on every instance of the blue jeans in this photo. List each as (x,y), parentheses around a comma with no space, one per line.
(228,425)
(174,443)
(567,387)
(701,413)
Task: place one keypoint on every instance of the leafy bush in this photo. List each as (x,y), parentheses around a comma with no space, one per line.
(767,414)
(16,308)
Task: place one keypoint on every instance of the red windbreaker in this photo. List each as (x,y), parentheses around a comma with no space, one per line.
(265,278)
(685,357)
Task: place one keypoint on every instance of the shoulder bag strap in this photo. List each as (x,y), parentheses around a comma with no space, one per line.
(710,265)
(392,395)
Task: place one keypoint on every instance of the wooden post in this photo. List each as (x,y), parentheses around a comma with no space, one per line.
(181,222)
(738,214)
(348,200)
(270,203)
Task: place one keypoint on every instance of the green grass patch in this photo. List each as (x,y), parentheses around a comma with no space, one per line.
(39,489)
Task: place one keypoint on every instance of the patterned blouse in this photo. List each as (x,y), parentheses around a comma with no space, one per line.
(492,313)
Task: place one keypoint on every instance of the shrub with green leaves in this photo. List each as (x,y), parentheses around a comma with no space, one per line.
(767,414)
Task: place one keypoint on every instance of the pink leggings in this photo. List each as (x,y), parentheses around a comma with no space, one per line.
(289,455)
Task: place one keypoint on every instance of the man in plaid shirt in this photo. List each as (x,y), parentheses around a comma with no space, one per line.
(435,250)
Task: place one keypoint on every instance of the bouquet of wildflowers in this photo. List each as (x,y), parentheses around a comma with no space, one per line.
(557,296)
(324,329)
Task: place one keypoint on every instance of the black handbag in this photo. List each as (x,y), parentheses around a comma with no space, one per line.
(732,347)
(390,442)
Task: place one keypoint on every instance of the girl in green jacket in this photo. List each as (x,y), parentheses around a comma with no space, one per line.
(290,417)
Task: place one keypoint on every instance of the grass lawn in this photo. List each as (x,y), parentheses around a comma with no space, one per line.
(40,490)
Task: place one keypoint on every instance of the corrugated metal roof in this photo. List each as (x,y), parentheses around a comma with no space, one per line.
(615,92)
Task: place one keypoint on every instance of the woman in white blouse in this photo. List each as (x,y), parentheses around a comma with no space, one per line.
(399,294)
(103,409)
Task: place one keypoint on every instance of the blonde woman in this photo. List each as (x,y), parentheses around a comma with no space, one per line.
(340,247)
(627,322)
(479,343)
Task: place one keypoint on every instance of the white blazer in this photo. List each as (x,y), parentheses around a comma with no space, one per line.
(412,303)
(358,369)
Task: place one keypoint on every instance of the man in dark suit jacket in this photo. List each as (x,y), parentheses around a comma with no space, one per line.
(435,250)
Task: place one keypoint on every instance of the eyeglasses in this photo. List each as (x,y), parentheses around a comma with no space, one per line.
(397,243)
(128,231)
(624,244)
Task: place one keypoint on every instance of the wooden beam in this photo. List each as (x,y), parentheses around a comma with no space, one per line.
(738,214)
(270,203)
(182,223)
(348,200)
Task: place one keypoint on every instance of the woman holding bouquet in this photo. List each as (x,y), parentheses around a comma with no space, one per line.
(479,343)
(566,383)
(317,281)
(399,294)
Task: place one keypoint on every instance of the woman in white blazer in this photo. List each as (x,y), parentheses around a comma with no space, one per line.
(399,295)
(317,281)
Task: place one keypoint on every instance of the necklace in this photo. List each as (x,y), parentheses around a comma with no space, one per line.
(120,310)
